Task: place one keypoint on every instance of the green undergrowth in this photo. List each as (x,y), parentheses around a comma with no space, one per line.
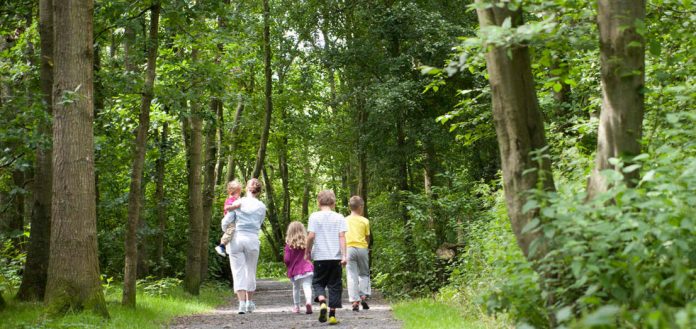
(435,314)
(155,309)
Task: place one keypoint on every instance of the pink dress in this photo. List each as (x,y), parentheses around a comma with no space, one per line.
(229,201)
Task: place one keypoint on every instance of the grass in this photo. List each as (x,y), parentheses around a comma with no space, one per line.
(151,311)
(429,313)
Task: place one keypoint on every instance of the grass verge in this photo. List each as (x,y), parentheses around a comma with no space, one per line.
(429,313)
(152,311)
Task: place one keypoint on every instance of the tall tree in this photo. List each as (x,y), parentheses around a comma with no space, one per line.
(209,182)
(193,127)
(161,205)
(33,284)
(622,55)
(74,224)
(518,121)
(268,90)
(233,135)
(135,194)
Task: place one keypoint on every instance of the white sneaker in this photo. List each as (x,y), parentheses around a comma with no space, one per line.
(242,308)
(220,251)
(250,306)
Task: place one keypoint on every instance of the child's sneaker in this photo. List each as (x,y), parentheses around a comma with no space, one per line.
(295,309)
(242,308)
(356,307)
(220,251)
(364,305)
(332,320)
(323,309)
(308,308)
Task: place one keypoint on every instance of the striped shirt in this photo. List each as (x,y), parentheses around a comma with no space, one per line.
(326,226)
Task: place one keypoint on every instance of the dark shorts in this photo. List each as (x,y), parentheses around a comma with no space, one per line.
(327,275)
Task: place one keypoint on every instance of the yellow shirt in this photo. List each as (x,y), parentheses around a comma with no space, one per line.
(358,230)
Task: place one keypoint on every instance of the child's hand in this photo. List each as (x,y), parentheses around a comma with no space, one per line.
(344,261)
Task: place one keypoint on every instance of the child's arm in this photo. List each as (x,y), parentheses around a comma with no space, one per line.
(310,243)
(342,242)
(286,255)
(235,205)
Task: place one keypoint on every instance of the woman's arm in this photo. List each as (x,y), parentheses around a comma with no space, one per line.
(230,218)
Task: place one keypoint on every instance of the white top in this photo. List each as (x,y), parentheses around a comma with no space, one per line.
(248,217)
(326,226)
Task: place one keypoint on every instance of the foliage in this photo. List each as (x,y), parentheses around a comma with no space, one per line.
(271,270)
(631,248)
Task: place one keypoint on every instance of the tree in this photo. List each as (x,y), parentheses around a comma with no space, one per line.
(268,90)
(135,195)
(73,212)
(518,121)
(622,55)
(194,143)
(33,285)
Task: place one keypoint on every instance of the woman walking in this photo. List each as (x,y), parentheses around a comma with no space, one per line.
(244,246)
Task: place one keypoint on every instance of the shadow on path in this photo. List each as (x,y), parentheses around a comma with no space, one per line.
(273,303)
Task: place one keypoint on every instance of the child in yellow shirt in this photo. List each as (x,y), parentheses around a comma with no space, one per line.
(358,267)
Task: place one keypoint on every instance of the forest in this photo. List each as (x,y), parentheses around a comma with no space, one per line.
(524,163)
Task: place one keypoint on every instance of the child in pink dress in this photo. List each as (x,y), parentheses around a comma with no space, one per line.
(234,189)
(300,270)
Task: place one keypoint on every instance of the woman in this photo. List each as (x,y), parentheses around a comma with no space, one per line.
(244,247)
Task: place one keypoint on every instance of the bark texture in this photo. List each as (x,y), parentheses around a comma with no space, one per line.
(192,279)
(518,122)
(33,286)
(74,224)
(622,55)
(135,196)
(160,166)
(209,184)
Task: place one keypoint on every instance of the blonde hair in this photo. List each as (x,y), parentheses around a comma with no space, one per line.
(234,186)
(296,237)
(356,202)
(255,186)
(326,198)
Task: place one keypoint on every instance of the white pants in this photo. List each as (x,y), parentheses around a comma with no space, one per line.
(304,284)
(358,273)
(244,256)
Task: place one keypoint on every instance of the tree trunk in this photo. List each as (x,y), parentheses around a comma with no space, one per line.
(160,166)
(260,157)
(33,286)
(74,224)
(307,189)
(134,195)
(209,184)
(362,154)
(233,138)
(277,238)
(220,133)
(143,268)
(193,128)
(518,122)
(622,55)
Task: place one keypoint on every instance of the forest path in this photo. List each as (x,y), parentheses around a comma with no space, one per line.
(273,303)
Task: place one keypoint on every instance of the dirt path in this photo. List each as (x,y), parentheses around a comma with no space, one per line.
(273,303)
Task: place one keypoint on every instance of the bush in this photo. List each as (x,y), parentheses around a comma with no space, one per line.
(626,258)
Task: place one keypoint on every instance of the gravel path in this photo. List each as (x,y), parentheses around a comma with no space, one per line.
(273,303)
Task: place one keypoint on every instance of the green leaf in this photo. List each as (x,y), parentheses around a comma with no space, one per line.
(603,316)
(564,314)
(631,168)
(533,224)
(557,87)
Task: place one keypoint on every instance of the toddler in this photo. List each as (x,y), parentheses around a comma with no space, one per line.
(234,189)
